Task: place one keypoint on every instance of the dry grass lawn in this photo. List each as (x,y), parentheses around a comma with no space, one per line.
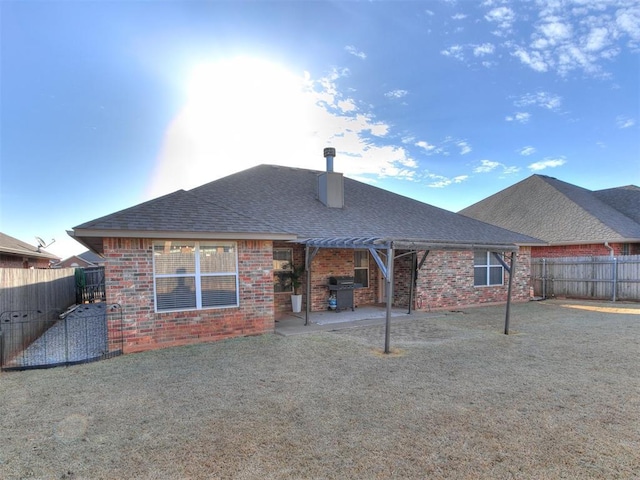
(560,398)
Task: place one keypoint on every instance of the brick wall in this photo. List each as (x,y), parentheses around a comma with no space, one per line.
(129,282)
(446,281)
(586,250)
(16,261)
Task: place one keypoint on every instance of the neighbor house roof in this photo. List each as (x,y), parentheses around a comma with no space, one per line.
(84,259)
(282,202)
(624,199)
(12,246)
(562,213)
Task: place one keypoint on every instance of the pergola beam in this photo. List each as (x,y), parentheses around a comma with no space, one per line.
(375,246)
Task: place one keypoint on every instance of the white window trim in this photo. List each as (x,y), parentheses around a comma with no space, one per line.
(198,276)
(290,250)
(362,268)
(487,265)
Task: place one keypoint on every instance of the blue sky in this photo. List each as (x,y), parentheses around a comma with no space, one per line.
(107,104)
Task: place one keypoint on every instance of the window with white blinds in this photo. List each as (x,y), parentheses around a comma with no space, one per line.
(190,275)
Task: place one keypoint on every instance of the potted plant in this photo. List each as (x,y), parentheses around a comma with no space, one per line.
(295,275)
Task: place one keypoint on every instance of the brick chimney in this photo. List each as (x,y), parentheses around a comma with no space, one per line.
(330,183)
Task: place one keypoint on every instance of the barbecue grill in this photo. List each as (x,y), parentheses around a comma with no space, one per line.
(343,288)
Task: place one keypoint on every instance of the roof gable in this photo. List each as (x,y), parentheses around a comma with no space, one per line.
(555,211)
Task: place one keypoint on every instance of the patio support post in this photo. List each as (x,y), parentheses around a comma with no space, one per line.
(307,265)
(512,271)
(414,266)
(389,280)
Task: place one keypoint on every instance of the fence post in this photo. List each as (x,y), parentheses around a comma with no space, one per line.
(615,278)
(544,278)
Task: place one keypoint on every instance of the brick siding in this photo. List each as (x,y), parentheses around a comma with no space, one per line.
(445,281)
(586,250)
(16,261)
(129,282)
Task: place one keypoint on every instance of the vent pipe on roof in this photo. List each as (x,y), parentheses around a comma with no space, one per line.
(330,183)
(329,153)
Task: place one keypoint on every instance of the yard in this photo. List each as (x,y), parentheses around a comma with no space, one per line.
(559,398)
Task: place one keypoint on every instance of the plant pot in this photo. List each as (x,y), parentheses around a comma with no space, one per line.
(296,303)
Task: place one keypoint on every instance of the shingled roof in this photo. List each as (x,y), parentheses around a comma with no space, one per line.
(12,246)
(270,201)
(562,213)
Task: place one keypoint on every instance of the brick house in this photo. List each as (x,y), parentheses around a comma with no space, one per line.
(208,263)
(86,259)
(572,220)
(15,253)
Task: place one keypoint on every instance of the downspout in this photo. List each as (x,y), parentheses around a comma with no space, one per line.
(606,244)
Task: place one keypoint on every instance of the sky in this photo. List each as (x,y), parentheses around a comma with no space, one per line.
(106,104)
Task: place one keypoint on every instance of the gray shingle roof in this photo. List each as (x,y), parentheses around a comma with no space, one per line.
(270,198)
(13,246)
(559,212)
(624,199)
(288,197)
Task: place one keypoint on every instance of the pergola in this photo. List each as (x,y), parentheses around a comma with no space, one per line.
(387,247)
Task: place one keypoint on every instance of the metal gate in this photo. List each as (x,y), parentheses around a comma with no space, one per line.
(31,339)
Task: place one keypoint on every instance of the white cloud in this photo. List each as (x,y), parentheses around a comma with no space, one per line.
(355,52)
(464,147)
(459,16)
(526,151)
(539,99)
(547,163)
(484,49)
(439,181)
(425,145)
(487,166)
(569,37)
(246,111)
(502,16)
(622,121)
(628,21)
(455,51)
(533,59)
(396,94)
(521,117)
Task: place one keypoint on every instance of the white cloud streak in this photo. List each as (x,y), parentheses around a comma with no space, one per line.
(355,52)
(547,163)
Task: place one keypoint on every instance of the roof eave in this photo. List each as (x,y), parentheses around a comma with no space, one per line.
(169,234)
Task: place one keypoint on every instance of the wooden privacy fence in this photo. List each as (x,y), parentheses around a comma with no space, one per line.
(32,294)
(608,278)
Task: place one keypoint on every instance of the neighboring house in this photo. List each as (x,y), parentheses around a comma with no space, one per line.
(207,263)
(83,260)
(15,253)
(573,221)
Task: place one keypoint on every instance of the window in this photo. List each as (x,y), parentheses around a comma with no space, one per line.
(195,275)
(361,267)
(487,270)
(282,262)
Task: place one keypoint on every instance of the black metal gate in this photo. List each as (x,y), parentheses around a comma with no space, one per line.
(31,339)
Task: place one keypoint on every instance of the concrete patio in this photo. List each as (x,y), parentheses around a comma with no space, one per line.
(293,323)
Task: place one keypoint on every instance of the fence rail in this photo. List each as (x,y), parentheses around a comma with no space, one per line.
(609,278)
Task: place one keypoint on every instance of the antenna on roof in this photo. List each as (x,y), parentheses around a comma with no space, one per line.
(43,244)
